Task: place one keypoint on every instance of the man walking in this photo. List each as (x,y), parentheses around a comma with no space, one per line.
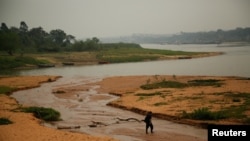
(148,122)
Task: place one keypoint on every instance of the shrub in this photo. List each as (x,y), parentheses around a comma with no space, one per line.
(148,94)
(10,62)
(164,84)
(205,82)
(5,121)
(204,114)
(47,114)
(6,90)
(247,121)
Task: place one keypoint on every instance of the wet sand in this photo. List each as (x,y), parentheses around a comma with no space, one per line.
(25,126)
(80,104)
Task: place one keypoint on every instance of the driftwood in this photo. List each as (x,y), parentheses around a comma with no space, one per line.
(92,125)
(95,124)
(129,119)
(68,127)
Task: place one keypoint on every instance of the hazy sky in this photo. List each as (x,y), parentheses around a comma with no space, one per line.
(103,18)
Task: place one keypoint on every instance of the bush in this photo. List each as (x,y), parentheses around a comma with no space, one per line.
(5,121)
(164,84)
(10,62)
(6,90)
(204,114)
(205,82)
(47,114)
(247,121)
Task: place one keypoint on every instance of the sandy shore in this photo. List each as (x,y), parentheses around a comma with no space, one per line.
(167,103)
(25,126)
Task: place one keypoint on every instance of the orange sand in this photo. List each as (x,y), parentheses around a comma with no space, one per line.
(170,103)
(27,128)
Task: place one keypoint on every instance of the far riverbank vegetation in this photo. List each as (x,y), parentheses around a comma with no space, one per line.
(21,47)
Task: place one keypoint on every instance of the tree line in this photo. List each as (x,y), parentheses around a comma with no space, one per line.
(211,37)
(22,39)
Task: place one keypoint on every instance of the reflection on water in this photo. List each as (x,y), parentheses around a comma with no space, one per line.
(233,63)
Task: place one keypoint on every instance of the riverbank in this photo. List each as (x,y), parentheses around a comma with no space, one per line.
(107,56)
(118,56)
(25,126)
(229,97)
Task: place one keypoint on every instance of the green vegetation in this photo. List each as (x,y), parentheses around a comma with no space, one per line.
(206,82)
(47,114)
(214,37)
(10,62)
(143,96)
(121,52)
(233,111)
(6,89)
(148,94)
(30,44)
(247,120)
(238,111)
(211,37)
(5,121)
(164,84)
(176,84)
(22,40)
(204,114)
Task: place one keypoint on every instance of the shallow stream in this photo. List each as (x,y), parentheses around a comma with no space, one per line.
(83,107)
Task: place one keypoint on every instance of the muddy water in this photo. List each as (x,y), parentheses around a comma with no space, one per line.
(84,106)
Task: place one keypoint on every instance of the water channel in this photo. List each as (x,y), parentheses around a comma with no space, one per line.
(74,112)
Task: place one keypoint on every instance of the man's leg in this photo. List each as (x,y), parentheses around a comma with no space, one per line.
(147,126)
(151,127)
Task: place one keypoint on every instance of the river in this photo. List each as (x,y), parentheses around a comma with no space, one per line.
(74,112)
(233,63)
